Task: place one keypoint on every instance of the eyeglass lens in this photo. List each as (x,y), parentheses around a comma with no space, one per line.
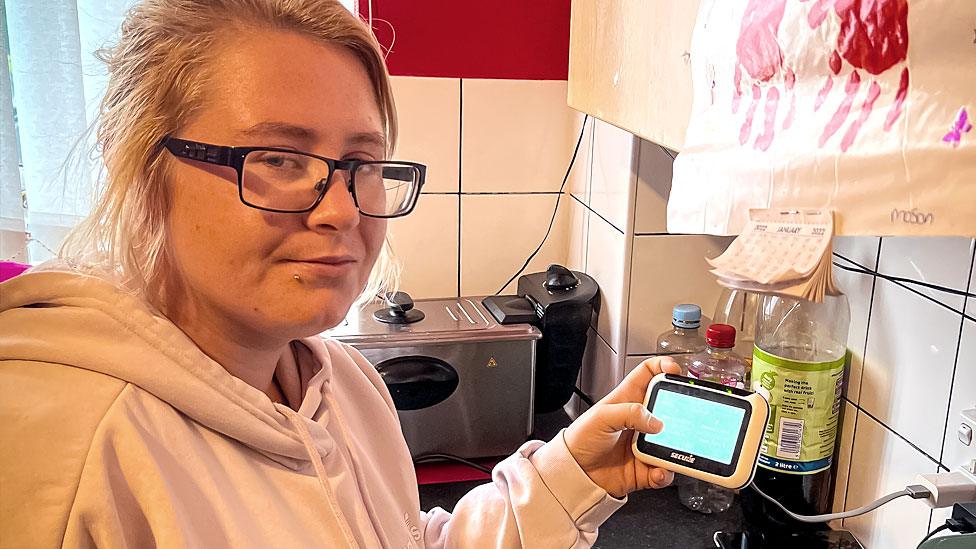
(280,180)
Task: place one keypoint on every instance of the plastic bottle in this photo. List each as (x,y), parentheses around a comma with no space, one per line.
(798,366)
(684,338)
(739,309)
(720,364)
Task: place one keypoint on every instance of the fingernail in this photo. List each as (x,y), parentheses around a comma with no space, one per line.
(653,423)
(658,477)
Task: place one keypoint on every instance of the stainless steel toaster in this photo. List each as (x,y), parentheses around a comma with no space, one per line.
(462,383)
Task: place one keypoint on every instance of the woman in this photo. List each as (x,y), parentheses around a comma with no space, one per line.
(164,385)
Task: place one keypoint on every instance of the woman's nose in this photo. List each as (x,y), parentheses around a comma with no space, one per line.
(337,209)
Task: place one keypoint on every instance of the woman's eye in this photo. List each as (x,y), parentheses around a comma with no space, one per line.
(279,162)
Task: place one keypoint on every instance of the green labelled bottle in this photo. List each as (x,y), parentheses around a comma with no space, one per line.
(798,365)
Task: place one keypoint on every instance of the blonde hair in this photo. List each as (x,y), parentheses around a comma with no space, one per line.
(158,74)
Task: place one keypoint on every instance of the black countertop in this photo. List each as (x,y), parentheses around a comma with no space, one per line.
(651,518)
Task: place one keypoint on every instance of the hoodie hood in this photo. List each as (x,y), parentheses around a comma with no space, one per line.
(87,322)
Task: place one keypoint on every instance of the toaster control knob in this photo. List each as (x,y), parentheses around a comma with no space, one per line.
(398,302)
(399,309)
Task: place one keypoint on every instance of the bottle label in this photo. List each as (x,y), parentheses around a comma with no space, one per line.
(804,405)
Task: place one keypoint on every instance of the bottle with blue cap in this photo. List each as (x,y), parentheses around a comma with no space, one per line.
(684,339)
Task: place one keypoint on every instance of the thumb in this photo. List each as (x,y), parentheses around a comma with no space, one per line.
(611,418)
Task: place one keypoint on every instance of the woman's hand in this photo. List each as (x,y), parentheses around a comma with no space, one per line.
(601,438)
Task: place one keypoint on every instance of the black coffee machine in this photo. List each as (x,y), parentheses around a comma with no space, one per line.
(560,303)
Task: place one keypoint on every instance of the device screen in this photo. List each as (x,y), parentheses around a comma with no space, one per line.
(697,426)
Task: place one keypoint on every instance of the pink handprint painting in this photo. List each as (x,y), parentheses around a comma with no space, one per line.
(861,106)
(871,37)
(760,60)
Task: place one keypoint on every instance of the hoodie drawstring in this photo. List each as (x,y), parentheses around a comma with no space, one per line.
(319,467)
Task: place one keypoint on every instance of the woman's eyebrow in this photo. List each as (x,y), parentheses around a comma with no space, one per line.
(367,138)
(281,129)
(304,133)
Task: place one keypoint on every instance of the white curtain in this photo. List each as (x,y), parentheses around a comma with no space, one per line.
(50,87)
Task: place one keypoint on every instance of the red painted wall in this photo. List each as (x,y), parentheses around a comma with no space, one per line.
(518,39)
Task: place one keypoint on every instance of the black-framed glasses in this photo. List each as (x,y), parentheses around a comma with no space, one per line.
(287,181)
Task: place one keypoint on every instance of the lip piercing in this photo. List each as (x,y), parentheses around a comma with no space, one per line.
(296,277)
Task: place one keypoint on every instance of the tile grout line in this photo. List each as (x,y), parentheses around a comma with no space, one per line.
(955,362)
(894,432)
(460,157)
(605,342)
(864,350)
(906,287)
(867,326)
(594,212)
(946,306)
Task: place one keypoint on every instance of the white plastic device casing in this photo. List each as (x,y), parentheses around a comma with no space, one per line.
(748,455)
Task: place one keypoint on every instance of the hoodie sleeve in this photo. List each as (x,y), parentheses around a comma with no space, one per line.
(539,497)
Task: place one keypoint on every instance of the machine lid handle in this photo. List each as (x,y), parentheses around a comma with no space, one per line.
(398,302)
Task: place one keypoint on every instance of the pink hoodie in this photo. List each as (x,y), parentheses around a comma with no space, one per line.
(117,431)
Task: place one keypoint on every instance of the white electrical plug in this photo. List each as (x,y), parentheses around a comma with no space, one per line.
(947,489)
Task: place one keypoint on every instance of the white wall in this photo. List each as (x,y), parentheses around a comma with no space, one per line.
(496,152)
(913,371)
(618,236)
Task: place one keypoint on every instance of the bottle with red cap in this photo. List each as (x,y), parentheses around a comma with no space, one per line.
(720,364)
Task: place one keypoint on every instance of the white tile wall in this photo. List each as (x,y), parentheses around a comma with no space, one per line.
(516,136)
(942,261)
(882,463)
(666,270)
(612,180)
(498,232)
(607,257)
(858,288)
(606,201)
(908,364)
(919,371)
(429,116)
(653,188)
(428,252)
(579,178)
(579,231)
(604,371)
(862,250)
(858,252)
(963,397)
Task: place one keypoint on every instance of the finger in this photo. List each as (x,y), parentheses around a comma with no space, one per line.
(612,418)
(659,478)
(633,387)
(670,366)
